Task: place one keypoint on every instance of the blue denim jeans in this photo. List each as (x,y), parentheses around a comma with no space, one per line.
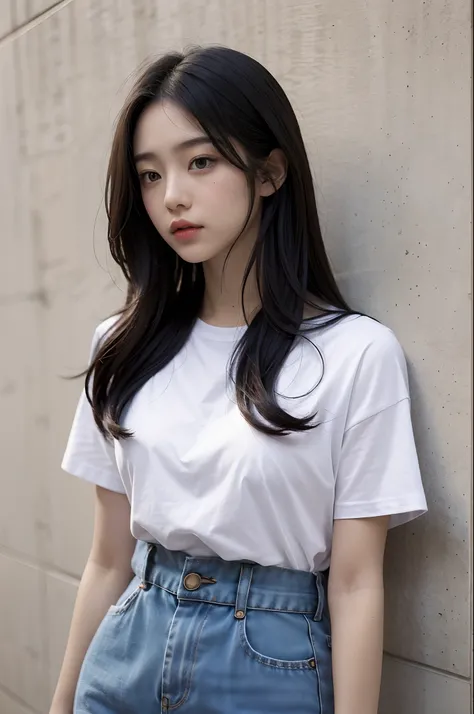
(205,636)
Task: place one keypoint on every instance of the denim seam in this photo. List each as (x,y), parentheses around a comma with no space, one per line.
(162,587)
(238,595)
(316,667)
(188,688)
(320,590)
(126,604)
(166,653)
(302,665)
(230,603)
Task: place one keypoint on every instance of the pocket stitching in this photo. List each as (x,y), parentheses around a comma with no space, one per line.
(121,609)
(301,664)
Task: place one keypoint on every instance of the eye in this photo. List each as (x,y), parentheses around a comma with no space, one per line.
(149,177)
(202,162)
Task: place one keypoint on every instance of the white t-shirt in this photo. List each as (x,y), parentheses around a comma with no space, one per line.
(200,479)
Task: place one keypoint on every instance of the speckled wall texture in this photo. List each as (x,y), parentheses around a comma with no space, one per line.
(382,90)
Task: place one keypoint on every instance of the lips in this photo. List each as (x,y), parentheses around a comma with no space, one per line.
(182,225)
(183,230)
(186,233)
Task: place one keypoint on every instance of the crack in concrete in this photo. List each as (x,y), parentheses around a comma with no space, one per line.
(32,22)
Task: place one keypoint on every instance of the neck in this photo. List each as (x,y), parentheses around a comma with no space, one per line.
(222,303)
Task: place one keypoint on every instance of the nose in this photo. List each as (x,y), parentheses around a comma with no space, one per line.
(176,194)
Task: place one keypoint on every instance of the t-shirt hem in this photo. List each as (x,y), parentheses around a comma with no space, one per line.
(95,477)
(400,512)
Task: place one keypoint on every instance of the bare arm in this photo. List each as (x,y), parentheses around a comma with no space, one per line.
(356,601)
(106,575)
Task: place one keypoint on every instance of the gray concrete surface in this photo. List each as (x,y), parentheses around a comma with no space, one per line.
(382,91)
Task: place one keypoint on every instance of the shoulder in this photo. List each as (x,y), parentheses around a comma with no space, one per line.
(103,327)
(371,365)
(359,339)
(370,339)
(378,362)
(364,364)
(102,330)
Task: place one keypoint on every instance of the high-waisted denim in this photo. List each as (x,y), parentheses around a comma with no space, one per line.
(205,636)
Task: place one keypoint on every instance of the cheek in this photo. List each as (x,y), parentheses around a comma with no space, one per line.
(151,201)
(147,202)
(231,191)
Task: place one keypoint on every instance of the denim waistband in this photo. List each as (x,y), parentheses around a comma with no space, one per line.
(242,585)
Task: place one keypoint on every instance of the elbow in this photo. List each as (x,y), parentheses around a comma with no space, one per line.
(355,580)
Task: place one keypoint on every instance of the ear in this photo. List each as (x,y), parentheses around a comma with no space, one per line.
(273,174)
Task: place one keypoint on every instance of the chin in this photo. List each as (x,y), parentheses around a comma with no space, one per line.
(196,254)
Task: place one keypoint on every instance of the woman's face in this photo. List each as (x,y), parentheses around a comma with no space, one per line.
(183,178)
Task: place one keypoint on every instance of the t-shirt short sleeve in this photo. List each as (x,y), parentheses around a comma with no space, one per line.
(88,454)
(378,472)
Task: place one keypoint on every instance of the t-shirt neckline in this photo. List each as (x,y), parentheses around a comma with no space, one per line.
(215,332)
(232,334)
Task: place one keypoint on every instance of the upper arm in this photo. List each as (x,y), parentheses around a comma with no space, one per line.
(113,544)
(358,548)
(88,453)
(377,470)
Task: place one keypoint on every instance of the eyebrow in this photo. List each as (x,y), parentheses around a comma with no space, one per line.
(151,155)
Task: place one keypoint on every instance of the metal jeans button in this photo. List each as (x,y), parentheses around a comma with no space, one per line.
(192,581)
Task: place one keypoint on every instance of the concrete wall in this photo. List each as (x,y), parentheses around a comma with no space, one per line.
(382,90)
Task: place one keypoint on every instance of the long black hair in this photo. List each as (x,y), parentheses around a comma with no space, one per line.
(233,98)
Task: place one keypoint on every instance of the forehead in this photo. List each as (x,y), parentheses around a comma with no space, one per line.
(163,125)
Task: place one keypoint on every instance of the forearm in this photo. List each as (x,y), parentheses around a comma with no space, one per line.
(357,647)
(99,589)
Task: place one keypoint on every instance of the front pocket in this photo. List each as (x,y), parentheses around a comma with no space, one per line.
(278,639)
(130,594)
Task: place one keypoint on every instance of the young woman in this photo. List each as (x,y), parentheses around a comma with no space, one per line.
(249,434)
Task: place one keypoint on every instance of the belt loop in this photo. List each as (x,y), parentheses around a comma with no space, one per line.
(320,596)
(243,589)
(145,584)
